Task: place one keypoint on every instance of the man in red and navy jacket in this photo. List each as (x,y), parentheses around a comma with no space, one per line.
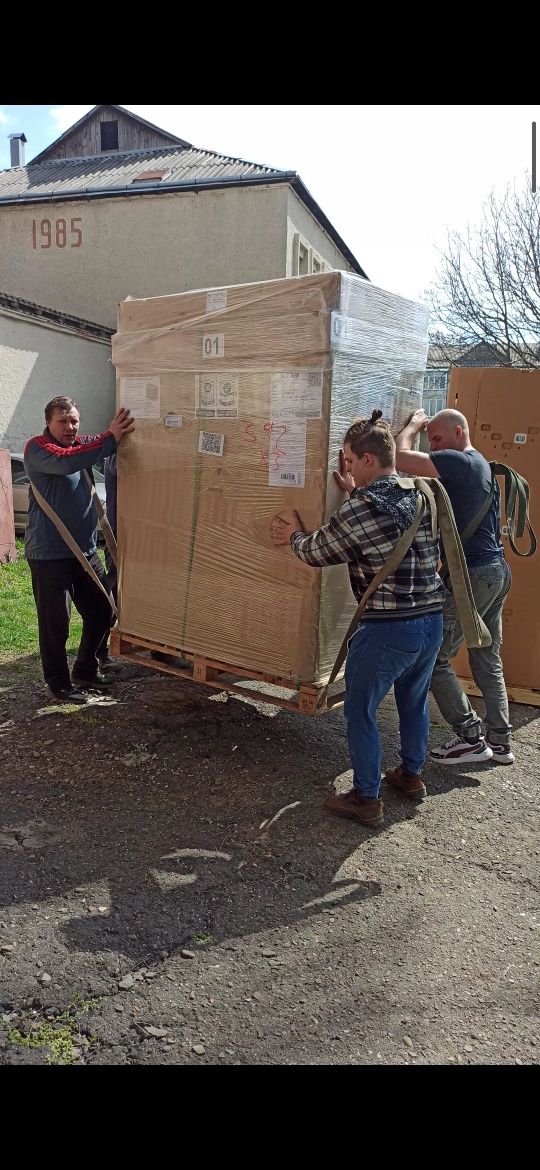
(55,462)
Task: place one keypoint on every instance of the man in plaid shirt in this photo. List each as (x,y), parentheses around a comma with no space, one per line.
(399,636)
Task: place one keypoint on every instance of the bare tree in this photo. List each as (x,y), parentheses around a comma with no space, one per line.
(488,286)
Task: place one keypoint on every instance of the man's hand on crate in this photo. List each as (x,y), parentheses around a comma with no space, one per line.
(122,424)
(416,422)
(284,525)
(343,477)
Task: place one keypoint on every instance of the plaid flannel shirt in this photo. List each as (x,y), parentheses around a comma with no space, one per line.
(362,536)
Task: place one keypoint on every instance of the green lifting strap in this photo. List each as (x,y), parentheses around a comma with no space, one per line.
(431,496)
(516,506)
(516,510)
(475,631)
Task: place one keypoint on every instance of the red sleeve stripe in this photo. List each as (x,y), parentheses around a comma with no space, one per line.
(54,449)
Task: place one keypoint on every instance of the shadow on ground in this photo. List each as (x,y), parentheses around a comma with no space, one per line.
(166,817)
(175,815)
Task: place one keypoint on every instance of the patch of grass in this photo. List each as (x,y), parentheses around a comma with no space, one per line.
(57,1036)
(201,939)
(18,618)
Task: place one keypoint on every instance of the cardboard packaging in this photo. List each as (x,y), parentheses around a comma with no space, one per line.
(503,410)
(242,396)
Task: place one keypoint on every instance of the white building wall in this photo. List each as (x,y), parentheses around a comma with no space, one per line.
(305,232)
(84,256)
(38,362)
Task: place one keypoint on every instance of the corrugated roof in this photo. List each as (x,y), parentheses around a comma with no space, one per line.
(187,169)
(115,172)
(443,356)
(44,316)
(479,353)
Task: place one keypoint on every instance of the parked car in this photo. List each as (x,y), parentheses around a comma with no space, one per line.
(20,484)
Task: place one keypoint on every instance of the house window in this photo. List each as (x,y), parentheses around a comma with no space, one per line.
(150,177)
(109,135)
(433,403)
(436,380)
(303,260)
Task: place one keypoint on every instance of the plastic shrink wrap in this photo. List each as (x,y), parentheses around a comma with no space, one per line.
(242,396)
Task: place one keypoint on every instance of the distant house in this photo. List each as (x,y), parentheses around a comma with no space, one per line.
(439,364)
(44,353)
(117,207)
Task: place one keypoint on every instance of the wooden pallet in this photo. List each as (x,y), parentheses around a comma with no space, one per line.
(515,694)
(306,698)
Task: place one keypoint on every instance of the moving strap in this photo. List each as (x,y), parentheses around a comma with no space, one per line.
(402,547)
(433,496)
(72,544)
(108,533)
(516,506)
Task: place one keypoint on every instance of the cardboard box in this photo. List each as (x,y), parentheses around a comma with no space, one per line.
(242,396)
(503,410)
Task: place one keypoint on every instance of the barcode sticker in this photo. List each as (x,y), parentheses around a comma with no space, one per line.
(216,300)
(296,394)
(286,452)
(210,443)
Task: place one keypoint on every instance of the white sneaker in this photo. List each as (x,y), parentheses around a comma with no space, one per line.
(502,753)
(461,751)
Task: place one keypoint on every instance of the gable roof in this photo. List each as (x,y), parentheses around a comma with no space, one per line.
(443,356)
(479,353)
(186,169)
(91,113)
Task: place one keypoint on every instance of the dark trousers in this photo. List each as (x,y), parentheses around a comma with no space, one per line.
(55,585)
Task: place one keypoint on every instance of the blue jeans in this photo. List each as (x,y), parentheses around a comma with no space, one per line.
(382,654)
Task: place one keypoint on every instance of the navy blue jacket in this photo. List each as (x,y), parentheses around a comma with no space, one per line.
(111,473)
(58,474)
(466,475)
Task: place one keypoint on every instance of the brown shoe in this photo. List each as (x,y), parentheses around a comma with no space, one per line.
(407,783)
(364,809)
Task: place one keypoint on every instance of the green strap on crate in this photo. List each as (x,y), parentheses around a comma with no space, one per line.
(516,510)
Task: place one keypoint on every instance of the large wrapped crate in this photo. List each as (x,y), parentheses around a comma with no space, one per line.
(502,407)
(242,396)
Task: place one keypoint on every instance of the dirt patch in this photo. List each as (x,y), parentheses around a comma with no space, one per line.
(173,892)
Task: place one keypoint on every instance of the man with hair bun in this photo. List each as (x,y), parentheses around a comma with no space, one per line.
(399,635)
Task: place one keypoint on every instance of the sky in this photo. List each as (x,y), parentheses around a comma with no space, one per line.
(393,180)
